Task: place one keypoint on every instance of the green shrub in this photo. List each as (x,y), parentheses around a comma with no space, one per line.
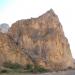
(31,68)
(28,68)
(39,69)
(4,71)
(12,65)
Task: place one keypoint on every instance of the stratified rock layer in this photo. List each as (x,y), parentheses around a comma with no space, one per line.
(41,40)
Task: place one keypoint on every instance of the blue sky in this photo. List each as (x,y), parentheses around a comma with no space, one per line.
(13,10)
(5,3)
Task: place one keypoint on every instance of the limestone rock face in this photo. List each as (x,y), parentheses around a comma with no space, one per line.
(43,40)
(9,52)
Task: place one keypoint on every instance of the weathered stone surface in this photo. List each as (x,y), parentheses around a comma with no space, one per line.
(43,40)
(9,52)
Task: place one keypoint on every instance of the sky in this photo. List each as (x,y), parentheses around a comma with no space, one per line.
(13,10)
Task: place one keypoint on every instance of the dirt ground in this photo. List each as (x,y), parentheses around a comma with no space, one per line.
(69,72)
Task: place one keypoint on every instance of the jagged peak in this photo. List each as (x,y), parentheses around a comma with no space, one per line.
(48,14)
(51,11)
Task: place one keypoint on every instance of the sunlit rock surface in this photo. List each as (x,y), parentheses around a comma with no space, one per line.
(41,40)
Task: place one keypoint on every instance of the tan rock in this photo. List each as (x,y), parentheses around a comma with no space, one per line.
(9,52)
(41,40)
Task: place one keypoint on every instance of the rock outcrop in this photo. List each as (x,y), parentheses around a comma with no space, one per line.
(41,40)
(9,52)
(4,28)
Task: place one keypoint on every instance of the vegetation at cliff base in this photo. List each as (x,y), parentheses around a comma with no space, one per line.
(9,67)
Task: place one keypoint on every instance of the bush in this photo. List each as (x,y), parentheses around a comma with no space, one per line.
(28,68)
(69,67)
(39,69)
(3,71)
(12,65)
(31,68)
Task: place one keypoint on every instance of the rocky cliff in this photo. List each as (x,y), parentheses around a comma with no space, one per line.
(9,52)
(40,41)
